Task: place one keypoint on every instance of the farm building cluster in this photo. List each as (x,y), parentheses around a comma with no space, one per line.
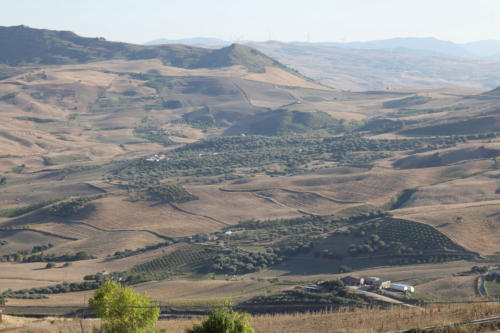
(376,283)
(159,157)
(200,238)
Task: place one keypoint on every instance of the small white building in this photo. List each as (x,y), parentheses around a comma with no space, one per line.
(155,158)
(402,288)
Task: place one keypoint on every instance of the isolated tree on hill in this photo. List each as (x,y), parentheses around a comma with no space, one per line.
(123,310)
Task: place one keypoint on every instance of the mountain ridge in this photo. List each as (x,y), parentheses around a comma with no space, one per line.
(22,45)
(482,49)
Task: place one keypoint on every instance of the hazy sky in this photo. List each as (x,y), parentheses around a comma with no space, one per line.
(139,21)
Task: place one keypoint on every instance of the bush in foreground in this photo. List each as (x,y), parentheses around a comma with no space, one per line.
(123,310)
(223,320)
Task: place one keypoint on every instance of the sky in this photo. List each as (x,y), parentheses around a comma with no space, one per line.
(139,21)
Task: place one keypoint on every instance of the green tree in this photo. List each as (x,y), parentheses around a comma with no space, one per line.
(123,310)
(223,319)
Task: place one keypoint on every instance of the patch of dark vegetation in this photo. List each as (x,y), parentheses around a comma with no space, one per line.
(128,253)
(172,104)
(236,261)
(150,130)
(283,122)
(25,256)
(14,212)
(214,259)
(399,200)
(329,294)
(41,292)
(382,125)
(9,97)
(479,269)
(416,235)
(130,93)
(7,72)
(252,231)
(73,206)
(186,258)
(489,94)
(404,242)
(417,112)
(62,159)
(222,155)
(406,102)
(17,139)
(18,169)
(174,193)
(445,158)
(30,77)
(3,181)
(463,127)
(37,120)
(201,119)
(61,173)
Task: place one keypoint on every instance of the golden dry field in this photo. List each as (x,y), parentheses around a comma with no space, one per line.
(342,320)
(148,170)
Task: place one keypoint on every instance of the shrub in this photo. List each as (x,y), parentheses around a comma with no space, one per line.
(171,193)
(479,269)
(68,208)
(345,269)
(123,310)
(224,319)
(50,265)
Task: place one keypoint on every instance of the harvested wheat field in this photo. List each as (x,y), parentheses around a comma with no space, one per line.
(343,320)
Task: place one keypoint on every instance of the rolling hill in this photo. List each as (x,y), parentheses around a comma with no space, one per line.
(378,67)
(26,46)
(133,159)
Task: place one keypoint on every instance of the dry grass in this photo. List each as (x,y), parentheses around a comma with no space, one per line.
(477,230)
(283,78)
(372,320)
(342,320)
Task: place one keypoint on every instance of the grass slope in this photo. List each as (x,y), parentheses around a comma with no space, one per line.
(21,45)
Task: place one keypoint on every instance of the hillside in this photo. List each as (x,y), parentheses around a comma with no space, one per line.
(172,166)
(21,45)
(377,68)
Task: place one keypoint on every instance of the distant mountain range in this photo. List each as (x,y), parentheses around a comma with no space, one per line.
(401,63)
(200,41)
(374,69)
(486,49)
(434,46)
(398,63)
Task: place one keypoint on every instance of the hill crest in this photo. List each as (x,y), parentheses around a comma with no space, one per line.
(22,45)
